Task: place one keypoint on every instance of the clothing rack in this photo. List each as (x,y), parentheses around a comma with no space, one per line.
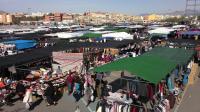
(125,103)
(157,105)
(139,106)
(128,104)
(142,82)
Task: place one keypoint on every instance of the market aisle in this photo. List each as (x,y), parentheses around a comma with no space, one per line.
(65,104)
(191,100)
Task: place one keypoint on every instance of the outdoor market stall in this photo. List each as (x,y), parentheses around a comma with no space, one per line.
(69,35)
(161,33)
(22,44)
(182,43)
(119,35)
(190,35)
(154,76)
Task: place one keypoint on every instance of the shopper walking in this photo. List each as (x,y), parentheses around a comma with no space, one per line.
(28,98)
(50,94)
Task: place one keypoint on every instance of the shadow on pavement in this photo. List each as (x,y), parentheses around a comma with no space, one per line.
(1,110)
(58,96)
(35,104)
(15,100)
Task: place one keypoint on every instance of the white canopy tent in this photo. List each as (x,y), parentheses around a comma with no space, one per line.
(121,26)
(97,29)
(69,35)
(63,27)
(135,26)
(179,26)
(119,35)
(162,30)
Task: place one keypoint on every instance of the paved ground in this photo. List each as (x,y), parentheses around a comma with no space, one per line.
(191,99)
(65,104)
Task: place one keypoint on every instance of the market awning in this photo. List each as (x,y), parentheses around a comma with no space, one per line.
(184,41)
(191,33)
(150,68)
(161,30)
(23,44)
(158,35)
(177,55)
(119,35)
(60,45)
(92,35)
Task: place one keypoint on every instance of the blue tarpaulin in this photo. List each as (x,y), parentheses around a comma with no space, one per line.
(23,44)
(191,33)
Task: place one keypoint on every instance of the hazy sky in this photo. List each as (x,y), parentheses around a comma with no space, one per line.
(132,7)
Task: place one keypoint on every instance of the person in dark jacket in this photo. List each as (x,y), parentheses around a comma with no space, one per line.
(50,94)
(104,89)
(20,90)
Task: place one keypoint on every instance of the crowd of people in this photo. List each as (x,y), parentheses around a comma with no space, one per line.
(78,85)
(82,85)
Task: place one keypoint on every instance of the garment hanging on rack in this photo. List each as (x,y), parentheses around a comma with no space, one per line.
(101,106)
(133,86)
(169,84)
(141,88)
(150,92)
(142,91)
(161,89)
(185,78)
(111,106)
(133,109)
(172,100)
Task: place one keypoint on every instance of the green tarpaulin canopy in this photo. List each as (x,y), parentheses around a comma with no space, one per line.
(150,66)
(91,35)
(178,55)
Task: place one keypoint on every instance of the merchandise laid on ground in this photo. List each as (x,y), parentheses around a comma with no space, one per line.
(101,69)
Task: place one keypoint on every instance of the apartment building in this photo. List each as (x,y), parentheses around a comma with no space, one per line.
(6,18)
(53,17)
